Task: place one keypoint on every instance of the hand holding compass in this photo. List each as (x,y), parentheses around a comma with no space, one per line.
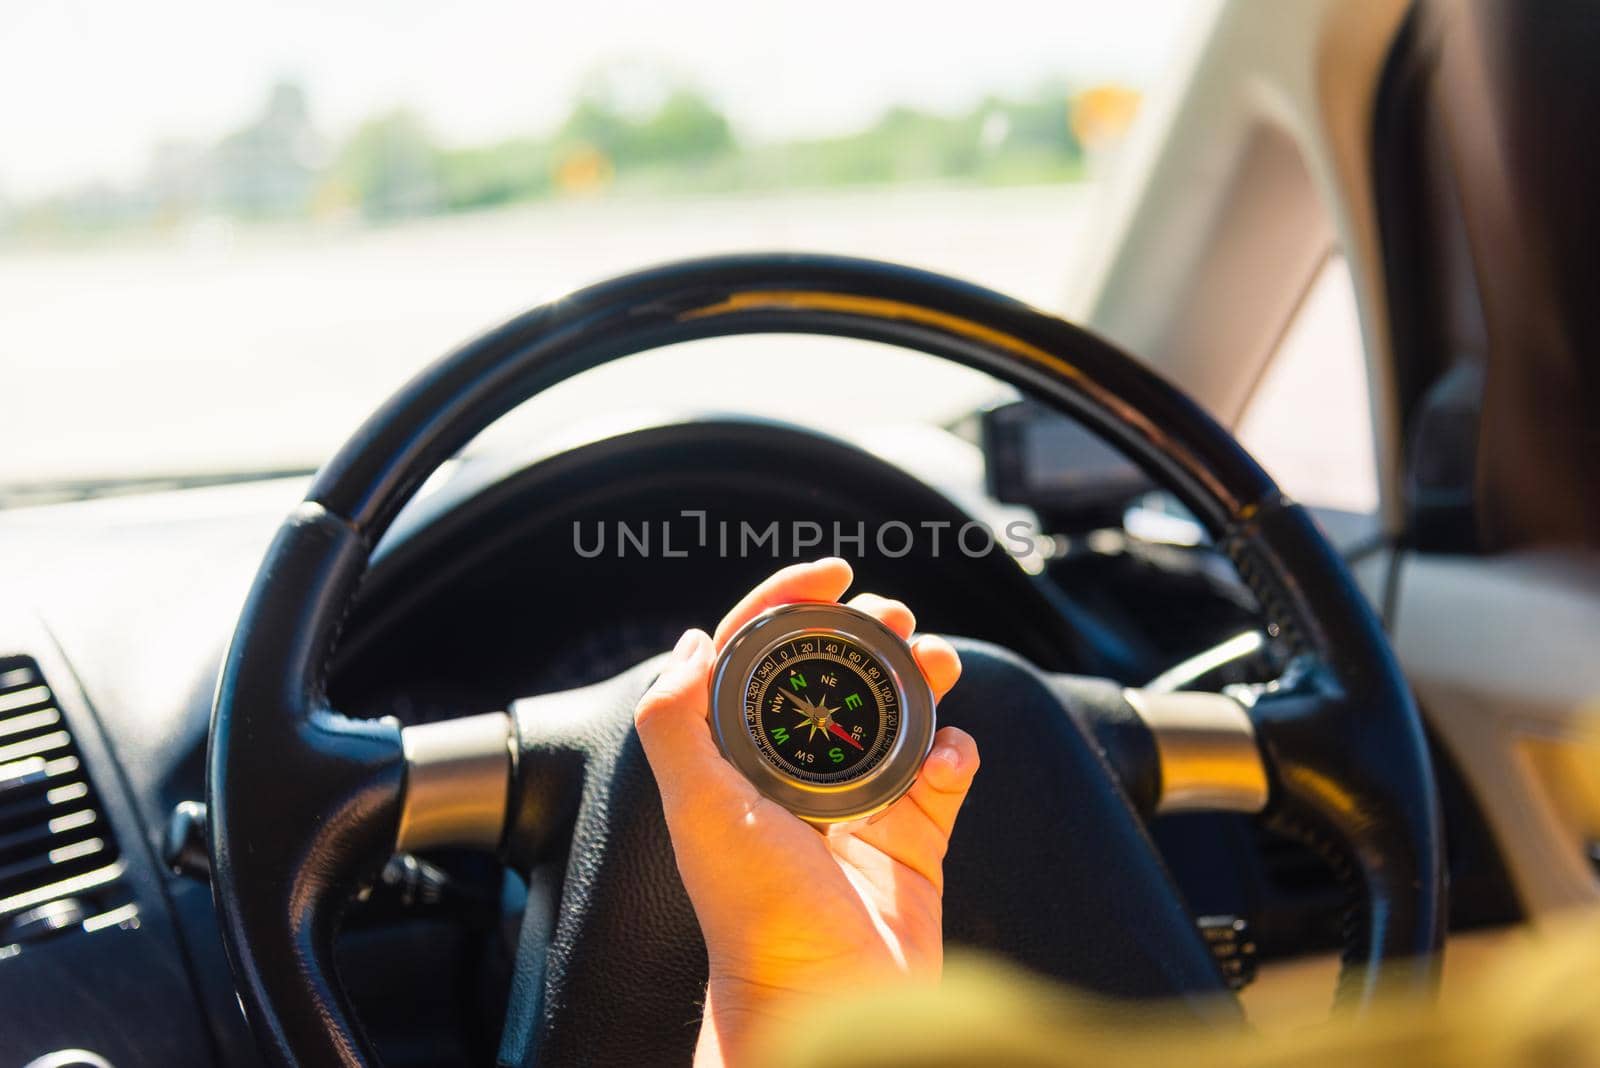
(741,854)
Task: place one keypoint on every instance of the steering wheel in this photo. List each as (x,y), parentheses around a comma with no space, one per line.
(1051,863)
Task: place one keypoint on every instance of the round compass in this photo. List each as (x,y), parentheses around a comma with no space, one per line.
(824,709)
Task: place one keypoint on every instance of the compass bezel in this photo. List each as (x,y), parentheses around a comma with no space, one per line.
(859,797)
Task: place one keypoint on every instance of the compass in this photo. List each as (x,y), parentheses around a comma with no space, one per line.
(824,709)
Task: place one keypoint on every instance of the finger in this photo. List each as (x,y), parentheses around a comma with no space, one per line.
(946,777)
(671,721)
(939,661)
(888,611)
(916,829)
(819,580)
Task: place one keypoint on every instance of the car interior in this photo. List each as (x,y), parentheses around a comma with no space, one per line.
(226,709)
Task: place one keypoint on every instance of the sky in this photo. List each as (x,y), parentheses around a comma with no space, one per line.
(89,86)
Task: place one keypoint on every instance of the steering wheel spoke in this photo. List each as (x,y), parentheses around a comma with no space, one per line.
(510,782)
(1182,751)
(617,928)
(458,783)
(1339,789)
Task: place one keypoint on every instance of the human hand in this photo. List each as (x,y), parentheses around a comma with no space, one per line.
(791,914)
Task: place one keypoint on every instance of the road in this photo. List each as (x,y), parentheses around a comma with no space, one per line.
(258,348)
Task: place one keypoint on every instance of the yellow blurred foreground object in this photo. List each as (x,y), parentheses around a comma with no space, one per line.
(1538,1005)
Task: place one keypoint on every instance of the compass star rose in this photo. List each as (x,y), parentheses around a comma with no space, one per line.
(815,716)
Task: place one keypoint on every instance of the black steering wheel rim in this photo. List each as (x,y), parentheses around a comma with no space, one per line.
(1350,764)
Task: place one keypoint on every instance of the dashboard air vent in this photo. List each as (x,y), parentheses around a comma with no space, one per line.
(58,858)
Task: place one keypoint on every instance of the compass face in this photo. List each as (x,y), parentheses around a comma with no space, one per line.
(824,709)
(821,708)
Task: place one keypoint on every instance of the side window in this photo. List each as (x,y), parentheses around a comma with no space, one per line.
(1309,422)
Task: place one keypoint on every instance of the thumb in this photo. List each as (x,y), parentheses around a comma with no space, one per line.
(671,721)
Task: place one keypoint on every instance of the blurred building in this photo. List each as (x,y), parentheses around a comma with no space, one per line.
(269,167)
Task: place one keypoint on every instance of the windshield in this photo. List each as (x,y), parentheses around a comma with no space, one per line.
(227,232)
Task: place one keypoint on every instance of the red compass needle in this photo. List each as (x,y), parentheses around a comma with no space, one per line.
(841,732)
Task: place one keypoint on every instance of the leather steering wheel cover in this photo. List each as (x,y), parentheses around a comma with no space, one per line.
(284,861)
(1394,834)
(1352,777)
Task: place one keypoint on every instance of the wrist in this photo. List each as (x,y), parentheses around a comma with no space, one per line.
(742,1015)
(737,1013)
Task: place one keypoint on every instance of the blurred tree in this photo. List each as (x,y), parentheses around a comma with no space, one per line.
(687,126)
(629,123)
(998,140)
(495,174)
(636,117)
(390,167)
(1042,122)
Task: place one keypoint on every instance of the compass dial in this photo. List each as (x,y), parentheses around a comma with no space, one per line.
(822,708)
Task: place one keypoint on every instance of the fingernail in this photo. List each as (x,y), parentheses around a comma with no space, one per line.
(835,561)
(686,645)
(949,755)
(680,665)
